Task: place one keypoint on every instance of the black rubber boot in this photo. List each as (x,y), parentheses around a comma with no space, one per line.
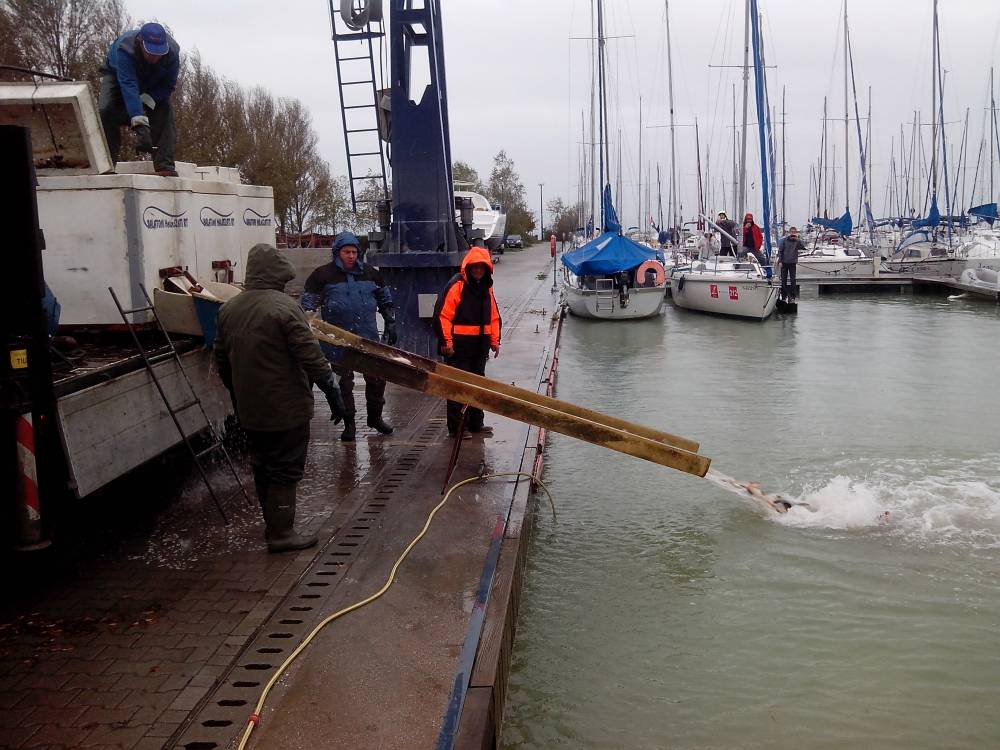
(261,486)
(378,424)
(279,515)
(350,431)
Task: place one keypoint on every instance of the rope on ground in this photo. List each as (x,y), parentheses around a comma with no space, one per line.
(255,718)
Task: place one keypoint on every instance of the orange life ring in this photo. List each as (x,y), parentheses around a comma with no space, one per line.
(640,273)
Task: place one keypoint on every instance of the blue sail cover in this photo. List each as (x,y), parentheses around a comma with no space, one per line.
(842,226)
(933,216)
(611,222)
(608,254)
(986,211)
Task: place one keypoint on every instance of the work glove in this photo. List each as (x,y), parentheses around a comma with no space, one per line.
(390,336)
(143,135)
(147,101)
(333,399)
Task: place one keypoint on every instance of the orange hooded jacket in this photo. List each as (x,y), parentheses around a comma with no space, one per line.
(467,316)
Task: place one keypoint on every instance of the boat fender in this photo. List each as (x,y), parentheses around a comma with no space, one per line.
(680,283)
(650,265)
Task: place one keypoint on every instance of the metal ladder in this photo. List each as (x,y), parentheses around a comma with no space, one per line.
(605,295)
(216,441)
(359,109)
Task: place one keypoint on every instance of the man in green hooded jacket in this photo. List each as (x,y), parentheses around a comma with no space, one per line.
(269,360)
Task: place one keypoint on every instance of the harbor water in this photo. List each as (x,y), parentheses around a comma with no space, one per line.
(661,611)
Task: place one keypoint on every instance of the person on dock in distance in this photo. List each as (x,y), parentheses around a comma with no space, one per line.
(348,293)
(753,239)
(269,359)
(137,79)
(728,230)
(468,325)
(788,258)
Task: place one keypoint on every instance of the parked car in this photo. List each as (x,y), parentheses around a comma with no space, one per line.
(513,240)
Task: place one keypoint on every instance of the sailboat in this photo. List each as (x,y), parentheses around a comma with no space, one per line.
(725,285)
(611,277)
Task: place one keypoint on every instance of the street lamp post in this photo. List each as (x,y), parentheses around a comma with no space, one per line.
(541,213)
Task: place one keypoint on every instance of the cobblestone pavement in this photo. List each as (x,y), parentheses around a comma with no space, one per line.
(119,640)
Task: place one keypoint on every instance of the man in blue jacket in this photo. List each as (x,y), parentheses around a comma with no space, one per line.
(137,80)
(349,293)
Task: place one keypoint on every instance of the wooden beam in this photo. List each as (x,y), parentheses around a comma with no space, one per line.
(412,372)
(430,365)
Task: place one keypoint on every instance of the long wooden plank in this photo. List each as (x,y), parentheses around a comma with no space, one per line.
(398,368)
(524,394)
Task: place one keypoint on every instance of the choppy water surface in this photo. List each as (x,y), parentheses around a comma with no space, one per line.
(661,611)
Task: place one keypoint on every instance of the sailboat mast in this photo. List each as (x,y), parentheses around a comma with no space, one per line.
(934,68)
(600,98)
(741,204)
(593,111)
(993,116)
(847,121)
(638,204)
(701,193)
(735,169)
(784,176)
(673,140)
(659,199)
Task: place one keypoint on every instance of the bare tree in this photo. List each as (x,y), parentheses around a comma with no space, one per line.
(68,38)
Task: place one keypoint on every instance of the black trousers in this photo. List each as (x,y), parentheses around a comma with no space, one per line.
(788,280)
(374,391)
(474,417)
(114,117)
(279,457)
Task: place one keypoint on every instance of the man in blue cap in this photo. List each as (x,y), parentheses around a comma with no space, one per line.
(349,293)
(137,80)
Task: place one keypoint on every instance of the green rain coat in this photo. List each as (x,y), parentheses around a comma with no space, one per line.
(266,354)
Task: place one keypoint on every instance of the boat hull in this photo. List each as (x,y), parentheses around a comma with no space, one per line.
(742,298)
(809,269)
(642,303)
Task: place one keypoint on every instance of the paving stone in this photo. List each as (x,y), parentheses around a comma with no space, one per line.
(62,715)
(15,737)
(112,735)
(188,698)
(102,698)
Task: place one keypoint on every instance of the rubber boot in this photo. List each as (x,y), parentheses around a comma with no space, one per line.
(279,515)
(350,431)
(376,422)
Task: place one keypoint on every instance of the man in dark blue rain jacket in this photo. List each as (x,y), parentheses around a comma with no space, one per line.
(137,80)
(349,293)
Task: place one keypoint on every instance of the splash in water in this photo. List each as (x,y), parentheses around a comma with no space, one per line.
(935,501)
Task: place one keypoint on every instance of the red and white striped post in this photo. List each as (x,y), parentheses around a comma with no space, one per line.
(30,534)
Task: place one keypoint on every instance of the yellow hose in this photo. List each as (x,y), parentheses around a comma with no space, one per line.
(254,718)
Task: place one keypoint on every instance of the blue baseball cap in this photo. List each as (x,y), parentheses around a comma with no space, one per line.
(345,239)
(154,39)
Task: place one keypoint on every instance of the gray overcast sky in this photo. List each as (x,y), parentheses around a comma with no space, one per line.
(518,82)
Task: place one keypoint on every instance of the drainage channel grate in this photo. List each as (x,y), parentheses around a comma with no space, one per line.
(224,713)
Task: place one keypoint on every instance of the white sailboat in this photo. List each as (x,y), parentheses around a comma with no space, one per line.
(724,285)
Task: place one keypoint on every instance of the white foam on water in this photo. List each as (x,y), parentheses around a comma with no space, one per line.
(957,503)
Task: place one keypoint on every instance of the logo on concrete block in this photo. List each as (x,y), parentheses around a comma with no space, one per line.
(253,219)
(209,217)
(157,218)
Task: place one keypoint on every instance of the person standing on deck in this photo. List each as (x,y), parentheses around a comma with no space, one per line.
(727,231)
(269,359)
(788,258)
(349,293)
(753,239)
(137,79)
(468,325)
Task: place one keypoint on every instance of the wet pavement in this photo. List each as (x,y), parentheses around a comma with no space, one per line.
(144,640)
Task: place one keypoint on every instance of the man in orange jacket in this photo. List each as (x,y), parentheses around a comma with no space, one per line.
(468,327)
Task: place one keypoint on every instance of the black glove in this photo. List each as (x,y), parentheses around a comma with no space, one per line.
(333,398)
(390,336)
(143,139)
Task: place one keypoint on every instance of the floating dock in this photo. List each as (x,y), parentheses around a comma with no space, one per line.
(161,645)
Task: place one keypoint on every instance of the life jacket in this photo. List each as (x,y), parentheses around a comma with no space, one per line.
(466,314)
